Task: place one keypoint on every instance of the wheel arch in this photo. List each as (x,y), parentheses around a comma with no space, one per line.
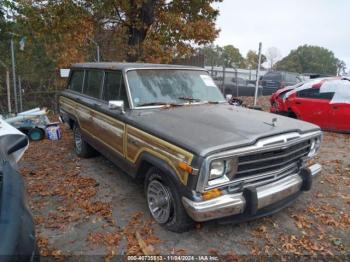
(147,161)
(292,114)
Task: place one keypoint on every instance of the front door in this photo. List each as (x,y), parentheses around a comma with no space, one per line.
(112,129)
(312,106)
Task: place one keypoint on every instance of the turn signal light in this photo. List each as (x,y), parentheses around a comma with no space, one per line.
(185,167)
(211,194)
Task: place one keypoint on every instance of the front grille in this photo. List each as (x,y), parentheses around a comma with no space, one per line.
(263,178)
(271,161)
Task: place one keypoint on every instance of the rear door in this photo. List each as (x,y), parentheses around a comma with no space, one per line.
(312,106)
(92,99)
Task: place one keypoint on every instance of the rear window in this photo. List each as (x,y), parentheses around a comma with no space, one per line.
(93,82)
(76,81)
(275,76)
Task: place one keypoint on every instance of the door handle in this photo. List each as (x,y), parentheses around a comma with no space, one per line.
(97,104)
(298,103)
(335,107)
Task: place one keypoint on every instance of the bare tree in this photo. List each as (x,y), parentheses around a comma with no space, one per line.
(341,67)
(273,54)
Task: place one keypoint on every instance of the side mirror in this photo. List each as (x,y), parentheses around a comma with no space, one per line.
(116,104)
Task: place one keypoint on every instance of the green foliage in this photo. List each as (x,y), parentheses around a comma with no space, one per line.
(252,59)
(310,59)
(229,56)
(212,55)
(232,57)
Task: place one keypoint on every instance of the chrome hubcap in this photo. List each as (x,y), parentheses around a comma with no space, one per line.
(159,201)
(78,140)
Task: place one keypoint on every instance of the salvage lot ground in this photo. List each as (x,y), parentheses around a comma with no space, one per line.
(90,207)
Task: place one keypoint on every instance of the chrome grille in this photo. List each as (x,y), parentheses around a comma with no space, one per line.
(271,161)
(263,178)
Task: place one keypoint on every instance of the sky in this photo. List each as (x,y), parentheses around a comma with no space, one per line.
(286,25)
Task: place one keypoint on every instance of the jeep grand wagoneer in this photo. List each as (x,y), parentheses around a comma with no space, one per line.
(199,157)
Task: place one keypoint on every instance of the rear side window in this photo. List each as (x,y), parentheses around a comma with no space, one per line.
(93,83)
(76,81)
(314,93)
(290,78)
(114,88)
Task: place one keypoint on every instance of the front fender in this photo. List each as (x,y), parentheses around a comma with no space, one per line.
(147,160)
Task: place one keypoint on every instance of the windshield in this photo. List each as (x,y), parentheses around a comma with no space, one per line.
(169,86)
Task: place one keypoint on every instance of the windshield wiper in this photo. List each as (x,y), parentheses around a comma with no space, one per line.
(191,99)
(159,103)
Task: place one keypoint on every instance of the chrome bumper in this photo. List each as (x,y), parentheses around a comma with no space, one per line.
(238,203)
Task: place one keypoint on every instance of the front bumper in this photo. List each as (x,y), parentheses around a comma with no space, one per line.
(251,200)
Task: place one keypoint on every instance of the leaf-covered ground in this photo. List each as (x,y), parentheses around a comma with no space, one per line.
(89,207)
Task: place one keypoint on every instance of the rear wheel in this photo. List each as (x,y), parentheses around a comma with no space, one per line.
(82,148)
(164,202)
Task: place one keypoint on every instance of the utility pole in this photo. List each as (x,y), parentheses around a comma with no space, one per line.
(7,86)
(8,91)
(257,76)
(14,74)
(223,79)
(97,49)
(20,94)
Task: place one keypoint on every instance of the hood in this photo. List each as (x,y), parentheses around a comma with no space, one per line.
(282,90)
(210,128)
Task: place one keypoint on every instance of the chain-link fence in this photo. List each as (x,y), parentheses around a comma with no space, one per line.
(31,93)
(237,82)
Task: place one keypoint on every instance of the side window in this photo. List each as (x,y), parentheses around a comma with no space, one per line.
(275,76)
(76,80)
(93,83)
(114,88)
(314,93)
(290,78)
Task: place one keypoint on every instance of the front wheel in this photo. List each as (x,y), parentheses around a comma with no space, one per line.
(164,202)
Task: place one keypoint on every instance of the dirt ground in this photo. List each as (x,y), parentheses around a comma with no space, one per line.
(89,207)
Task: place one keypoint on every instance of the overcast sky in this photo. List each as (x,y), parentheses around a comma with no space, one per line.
(286,25)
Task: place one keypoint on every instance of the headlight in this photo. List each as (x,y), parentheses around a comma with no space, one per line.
(315,146)
(223,168)
(217,169)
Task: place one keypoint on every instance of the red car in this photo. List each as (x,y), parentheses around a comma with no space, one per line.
(322,101)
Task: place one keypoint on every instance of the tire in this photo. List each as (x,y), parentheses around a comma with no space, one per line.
(171,214)
(36,134)
(82,148)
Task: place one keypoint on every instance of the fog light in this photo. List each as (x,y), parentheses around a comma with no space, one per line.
(211,194)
